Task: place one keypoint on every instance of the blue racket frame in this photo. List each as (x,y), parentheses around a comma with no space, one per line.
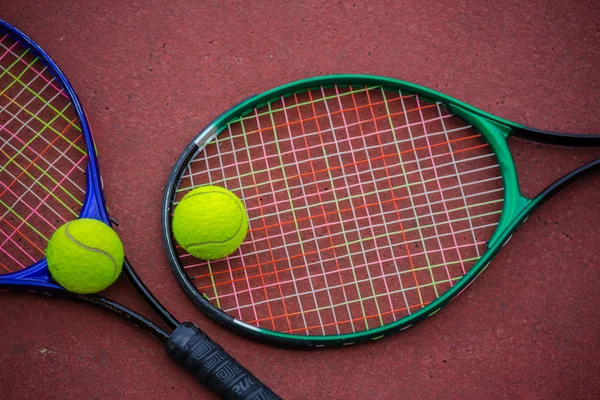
(94,206)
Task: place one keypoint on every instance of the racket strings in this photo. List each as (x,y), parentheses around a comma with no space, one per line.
(292,124)
(364,204)
(348,210)
(42,156)
(220,156)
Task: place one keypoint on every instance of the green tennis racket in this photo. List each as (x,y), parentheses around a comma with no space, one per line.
(372,202)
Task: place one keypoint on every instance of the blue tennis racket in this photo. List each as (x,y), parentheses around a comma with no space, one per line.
(48,176)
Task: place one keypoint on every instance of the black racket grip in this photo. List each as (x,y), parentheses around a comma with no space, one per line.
(212,366)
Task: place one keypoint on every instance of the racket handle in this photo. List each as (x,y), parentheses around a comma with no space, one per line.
(212,366)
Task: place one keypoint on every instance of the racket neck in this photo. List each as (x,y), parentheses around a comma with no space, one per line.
(148,296)
(556,138)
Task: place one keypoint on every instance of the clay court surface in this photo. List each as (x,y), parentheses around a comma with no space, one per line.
(151,74)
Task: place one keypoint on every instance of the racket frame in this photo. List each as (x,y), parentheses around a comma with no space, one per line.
(495,131)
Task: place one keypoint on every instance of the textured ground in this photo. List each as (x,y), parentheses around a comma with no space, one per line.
(151,74)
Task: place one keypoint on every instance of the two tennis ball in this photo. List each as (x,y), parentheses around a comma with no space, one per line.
(86,255)
(210,222)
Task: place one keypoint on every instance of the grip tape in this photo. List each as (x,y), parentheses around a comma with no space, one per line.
(211,365)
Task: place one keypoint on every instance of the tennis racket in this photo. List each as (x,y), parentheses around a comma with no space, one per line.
(48,176)
(372,203)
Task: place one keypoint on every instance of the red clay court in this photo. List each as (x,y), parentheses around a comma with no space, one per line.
(151,75)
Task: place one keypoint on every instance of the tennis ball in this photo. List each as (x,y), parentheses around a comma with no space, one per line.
(85,256)
(210,222)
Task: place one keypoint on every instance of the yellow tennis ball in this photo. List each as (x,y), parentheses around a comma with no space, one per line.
(210,222)
(85,256)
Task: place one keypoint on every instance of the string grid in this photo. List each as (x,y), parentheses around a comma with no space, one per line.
(365,204)
(42,156)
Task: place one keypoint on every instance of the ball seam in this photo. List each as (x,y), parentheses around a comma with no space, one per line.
(78,243)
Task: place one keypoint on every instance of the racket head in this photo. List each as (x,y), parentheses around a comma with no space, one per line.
(49,170)
(252,150)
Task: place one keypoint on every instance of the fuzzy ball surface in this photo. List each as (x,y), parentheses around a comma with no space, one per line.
(85,256)
(210,222)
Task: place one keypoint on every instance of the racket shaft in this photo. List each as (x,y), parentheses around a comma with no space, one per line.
(212,366)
